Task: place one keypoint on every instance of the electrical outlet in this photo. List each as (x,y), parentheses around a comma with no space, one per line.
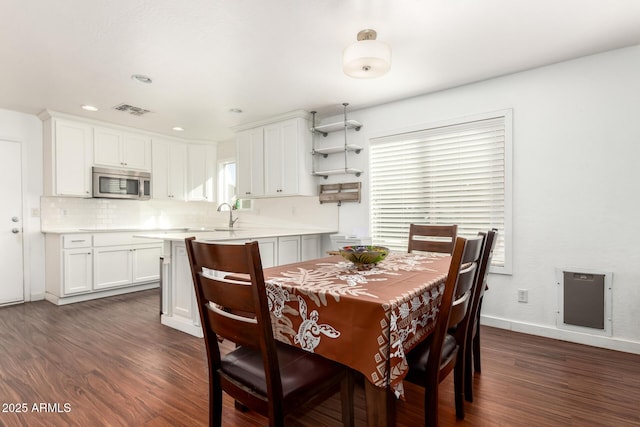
(523,295)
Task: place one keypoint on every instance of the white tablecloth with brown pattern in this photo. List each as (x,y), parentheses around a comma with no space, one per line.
(367,319)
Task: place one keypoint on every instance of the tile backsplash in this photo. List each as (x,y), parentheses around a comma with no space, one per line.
(61,213)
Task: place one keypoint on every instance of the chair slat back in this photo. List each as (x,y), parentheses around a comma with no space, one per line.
(230,308)
(432,238)
(466,281)
(483,271)
(463,267)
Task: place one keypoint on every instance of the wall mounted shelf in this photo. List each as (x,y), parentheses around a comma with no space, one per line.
(338,149)
(326,173)
(345,148)
(324,130)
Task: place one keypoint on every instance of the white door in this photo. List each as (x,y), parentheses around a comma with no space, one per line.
(12,285)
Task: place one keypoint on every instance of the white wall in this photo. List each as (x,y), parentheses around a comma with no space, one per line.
(27,129)
(576,182)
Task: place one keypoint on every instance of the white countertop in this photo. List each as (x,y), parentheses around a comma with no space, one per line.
(237,234)
(240,233)
(201,233)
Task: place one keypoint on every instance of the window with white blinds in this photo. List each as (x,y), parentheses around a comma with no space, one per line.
(449,174)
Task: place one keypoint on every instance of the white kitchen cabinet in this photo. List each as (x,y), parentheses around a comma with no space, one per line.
(286,159)
(201,172)
(118,149)
(112,267)
(79,267)
(268,251)
(68,156)
(288,249)
(68,265)
(273,160)
(169,166)
(120,260)
(145,263)
(77,270)
(311,247)
(250,163)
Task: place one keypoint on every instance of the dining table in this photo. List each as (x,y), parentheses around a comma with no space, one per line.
(364,318)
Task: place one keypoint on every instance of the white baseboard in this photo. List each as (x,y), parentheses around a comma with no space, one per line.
(610,343)
(37,297)
(101,294)
(182,324)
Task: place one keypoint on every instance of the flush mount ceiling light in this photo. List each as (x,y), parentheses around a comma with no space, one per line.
(88,107)
(178,129)
(142,78)
(367,58)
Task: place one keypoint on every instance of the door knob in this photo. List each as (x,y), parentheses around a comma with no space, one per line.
(15,230)
(15,219)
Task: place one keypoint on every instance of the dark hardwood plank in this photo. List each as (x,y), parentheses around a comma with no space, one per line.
(113,364)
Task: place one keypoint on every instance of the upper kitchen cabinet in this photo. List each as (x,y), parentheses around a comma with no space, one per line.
(201,172)
(273,160)
(117,149)
(68,155)
(169,169)
(250,163)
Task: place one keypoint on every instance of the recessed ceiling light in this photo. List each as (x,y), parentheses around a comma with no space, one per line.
(235,110)
(142,78)
(89,107)
(178,128)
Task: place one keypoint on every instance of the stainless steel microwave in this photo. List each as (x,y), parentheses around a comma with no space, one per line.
(121,184)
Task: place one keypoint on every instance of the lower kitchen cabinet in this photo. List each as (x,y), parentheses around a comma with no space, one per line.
(125,265)
(311,247)
(269,252)
(77,270)
(80,267)
(288,249)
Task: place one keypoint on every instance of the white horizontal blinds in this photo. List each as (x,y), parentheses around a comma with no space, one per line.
(446,175)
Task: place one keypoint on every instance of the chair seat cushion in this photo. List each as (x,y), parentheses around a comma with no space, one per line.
(299,369)
(417,358)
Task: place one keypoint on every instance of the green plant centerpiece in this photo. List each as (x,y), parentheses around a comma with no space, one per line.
(364,257)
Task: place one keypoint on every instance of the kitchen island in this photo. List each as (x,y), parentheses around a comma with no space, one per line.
(278,246)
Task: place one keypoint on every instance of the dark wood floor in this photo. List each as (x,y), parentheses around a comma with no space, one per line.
(110,363)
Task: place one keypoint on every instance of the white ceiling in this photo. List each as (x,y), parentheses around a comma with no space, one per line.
(269,57)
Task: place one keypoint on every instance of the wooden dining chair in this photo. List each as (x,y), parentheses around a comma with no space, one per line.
(472,349)
(432,238)
(443,351)
(264,375)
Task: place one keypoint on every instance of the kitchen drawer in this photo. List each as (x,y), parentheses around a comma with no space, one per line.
(71,241)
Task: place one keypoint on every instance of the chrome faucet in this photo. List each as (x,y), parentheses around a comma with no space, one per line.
(231,220)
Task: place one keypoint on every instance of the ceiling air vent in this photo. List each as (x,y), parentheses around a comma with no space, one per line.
(136,111)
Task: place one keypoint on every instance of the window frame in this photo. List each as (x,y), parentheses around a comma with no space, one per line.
(507,114)
(221,167)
